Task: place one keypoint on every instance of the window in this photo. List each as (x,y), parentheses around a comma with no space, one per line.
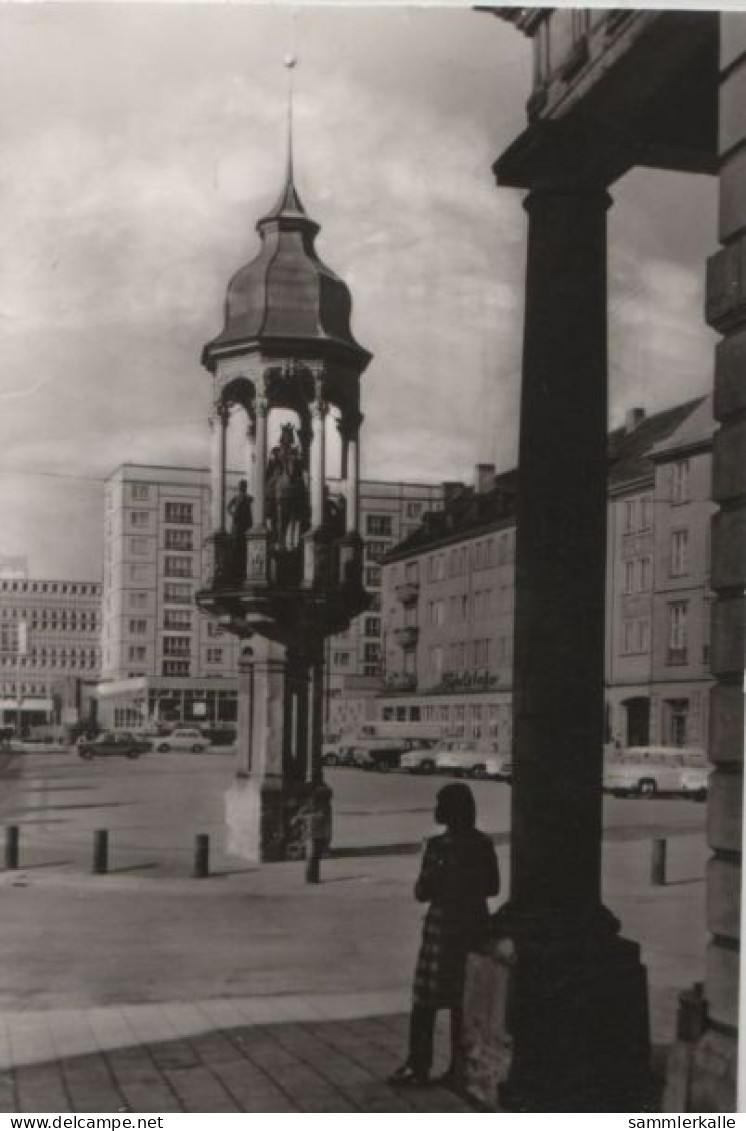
(371,653)
(139,545)
(175,594)
(435,660)
(680,481)
(437,612)
(179,512)
(677,637)
(373,575)
(629,577)
(379,524)
(214,655)
(630,513)
(676,721)
(646,574)
(178,618)
(374,551)
(175,667)
(178,539)
(213,629)
(341,659)
(178,567)
(372,626)
(138,600)
(176,646)
(371,669)
(412,510)
(138,571)
(140,491)
(375,602)
(464,606)
(136,652)
(138,627)
(678,564)
(646,512)
(139,518)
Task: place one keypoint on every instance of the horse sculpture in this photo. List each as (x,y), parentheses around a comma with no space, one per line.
(287,492)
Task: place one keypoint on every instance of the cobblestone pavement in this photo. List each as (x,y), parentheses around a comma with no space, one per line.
(307,1066)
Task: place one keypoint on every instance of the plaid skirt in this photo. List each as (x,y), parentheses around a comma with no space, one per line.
(441,963)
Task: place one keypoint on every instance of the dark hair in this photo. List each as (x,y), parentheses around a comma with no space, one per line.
(455,807)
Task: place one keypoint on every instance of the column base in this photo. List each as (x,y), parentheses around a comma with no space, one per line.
(557,1020)
(259,820)
(702,1067)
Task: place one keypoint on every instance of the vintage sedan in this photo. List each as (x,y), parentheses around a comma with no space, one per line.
(644,771)
(184,738)
(462,759)
(112,744)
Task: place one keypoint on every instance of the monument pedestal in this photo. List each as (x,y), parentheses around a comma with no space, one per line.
(555,1019)
(259,819)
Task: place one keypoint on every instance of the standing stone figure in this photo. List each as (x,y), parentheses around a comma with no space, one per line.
(239,509)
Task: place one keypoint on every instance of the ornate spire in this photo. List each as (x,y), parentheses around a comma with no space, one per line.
(289,205)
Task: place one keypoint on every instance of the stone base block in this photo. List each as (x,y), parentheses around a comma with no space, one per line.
(259,820)
(714,1073)
(557,1024)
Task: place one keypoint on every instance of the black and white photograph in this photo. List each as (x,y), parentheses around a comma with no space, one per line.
(372,560)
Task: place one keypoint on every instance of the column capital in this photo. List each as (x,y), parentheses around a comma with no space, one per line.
(319,409)
(220,411)
(349,425)
(560,156)
(261,405)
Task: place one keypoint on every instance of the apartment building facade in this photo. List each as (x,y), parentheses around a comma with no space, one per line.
(449,596)
(50,648)
(161,658)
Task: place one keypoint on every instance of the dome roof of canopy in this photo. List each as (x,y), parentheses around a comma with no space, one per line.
(286,300)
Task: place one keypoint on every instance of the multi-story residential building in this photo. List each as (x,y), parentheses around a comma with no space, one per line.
(164,659)
(449,589)
(160,657)
(50,648)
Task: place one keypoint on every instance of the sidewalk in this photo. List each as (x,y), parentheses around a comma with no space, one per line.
(265,1054)
(255,991)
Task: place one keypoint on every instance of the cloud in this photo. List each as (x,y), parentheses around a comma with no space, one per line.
(140,145)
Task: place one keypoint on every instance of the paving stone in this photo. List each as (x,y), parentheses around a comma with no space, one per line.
(173,1054)
(216,1048)
(198,1090)
(40,1088)
(90,1085)
(142,1086)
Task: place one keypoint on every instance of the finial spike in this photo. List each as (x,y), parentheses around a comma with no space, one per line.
(291,61)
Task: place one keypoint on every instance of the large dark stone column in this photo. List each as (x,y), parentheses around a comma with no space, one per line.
(574,999)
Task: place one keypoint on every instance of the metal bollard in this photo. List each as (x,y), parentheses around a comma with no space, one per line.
(314,851)
(201,856)
(101,852)
(12,846)
(658,862)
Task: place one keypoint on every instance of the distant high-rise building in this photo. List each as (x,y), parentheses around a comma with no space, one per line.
(164,659)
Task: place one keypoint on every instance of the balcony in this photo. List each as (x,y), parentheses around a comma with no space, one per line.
(401,681)
(407,592)
(406,637)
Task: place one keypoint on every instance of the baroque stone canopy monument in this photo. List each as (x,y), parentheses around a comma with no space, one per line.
(287,561)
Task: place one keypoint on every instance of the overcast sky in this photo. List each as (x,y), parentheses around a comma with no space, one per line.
(140,143)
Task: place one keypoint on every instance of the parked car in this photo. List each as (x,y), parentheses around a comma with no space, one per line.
(420,760)
(461,758)
(184,738)
(219,735)
(499,767)
(645,771)
(337,754)
(111,744)
(381,754)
